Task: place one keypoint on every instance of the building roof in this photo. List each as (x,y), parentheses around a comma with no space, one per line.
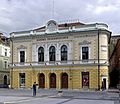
(4,40)
(52,27)
(62,25)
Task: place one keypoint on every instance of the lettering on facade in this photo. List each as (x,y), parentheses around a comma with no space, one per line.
(41,39)
(51,38)
(55,38)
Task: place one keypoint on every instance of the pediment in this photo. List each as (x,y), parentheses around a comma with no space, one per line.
(51,26)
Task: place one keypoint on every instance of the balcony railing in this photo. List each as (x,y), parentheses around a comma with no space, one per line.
(54,63)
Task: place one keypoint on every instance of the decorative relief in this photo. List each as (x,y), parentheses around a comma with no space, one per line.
(84,42)
(51,26)
(22,47)
(84,36)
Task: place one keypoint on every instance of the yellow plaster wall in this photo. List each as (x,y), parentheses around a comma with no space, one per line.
(74,77)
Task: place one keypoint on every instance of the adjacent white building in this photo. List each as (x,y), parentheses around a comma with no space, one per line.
(4,60)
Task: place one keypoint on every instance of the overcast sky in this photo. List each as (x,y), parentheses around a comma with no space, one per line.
(16,15)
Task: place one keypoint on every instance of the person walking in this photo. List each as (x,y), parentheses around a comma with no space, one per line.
(34,89)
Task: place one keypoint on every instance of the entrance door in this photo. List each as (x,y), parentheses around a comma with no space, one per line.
(104,83)
(41,80)
(52,80)
(64,80)
(5,80)
(85,79)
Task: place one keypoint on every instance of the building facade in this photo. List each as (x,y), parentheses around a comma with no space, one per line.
(4,61)
(115,66)
(113,42)
(70,55)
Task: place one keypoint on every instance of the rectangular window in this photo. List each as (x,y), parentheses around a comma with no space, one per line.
(5,52)
(22,79)
(5,64)
(22,56)
(85,53)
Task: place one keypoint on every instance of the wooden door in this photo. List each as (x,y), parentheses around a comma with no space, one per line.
(52,80)
(42,81)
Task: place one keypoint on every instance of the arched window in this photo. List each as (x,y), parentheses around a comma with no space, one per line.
(52,53)
(64,53)
(40,54)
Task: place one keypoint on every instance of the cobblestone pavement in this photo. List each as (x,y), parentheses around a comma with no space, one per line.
(51,96)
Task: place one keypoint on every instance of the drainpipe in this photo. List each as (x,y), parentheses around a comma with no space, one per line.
(98,61)
(11,62)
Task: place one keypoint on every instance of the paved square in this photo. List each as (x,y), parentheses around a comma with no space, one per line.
(47,100)
(24,96)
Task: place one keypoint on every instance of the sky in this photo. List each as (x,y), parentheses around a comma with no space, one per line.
(19,15)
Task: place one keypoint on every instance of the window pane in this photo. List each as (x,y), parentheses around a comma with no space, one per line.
(22,56)
(85,53)
(41,54)
(64,53)
(52,53)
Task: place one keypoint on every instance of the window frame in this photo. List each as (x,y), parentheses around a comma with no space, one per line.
(64,53)
(82,52)
(41,54)
(53,57)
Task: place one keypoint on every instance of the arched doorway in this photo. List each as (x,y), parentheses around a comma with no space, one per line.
(5,80)
(41,80)
(64,80)
(52,80)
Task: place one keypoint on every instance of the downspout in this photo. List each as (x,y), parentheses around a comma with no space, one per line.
(11,62)
(98,61)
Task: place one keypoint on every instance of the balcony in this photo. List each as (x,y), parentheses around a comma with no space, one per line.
(60,63)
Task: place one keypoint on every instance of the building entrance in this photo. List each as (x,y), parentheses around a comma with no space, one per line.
(41,80)
(52,80)
(85,79)
(64,80)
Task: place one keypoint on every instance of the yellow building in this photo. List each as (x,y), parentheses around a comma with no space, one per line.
(70,55)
